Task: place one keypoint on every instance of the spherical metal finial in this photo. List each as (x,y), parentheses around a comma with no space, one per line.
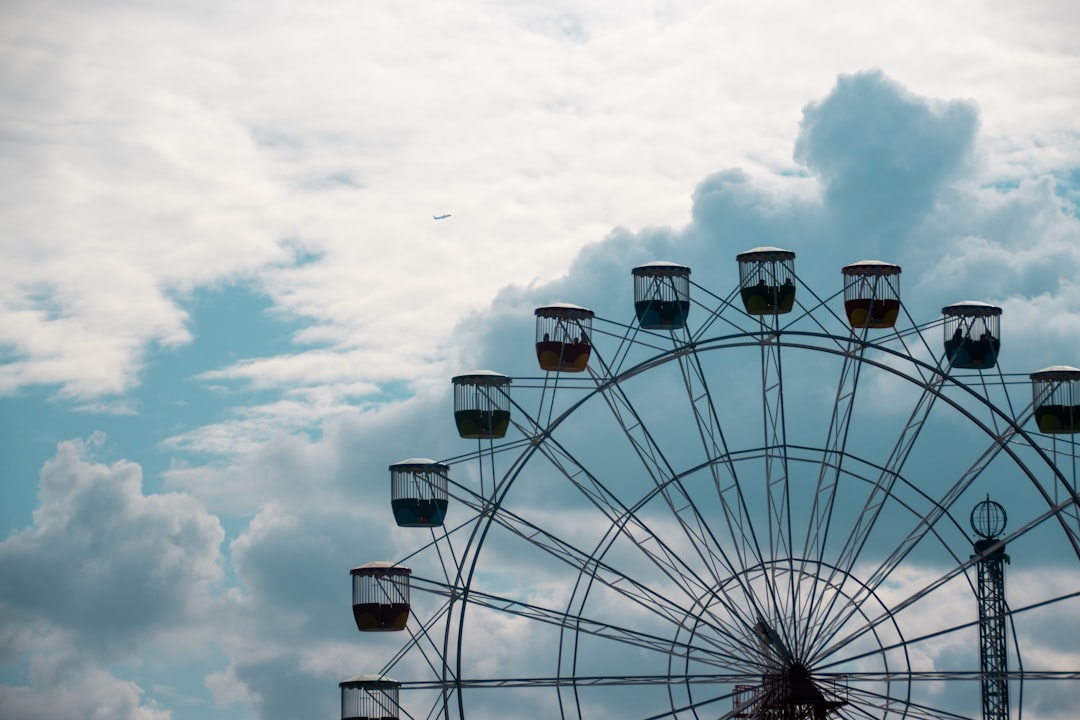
(988,519)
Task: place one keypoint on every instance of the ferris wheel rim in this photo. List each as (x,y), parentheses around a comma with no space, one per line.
(747,339)
(719,343)
(750,339)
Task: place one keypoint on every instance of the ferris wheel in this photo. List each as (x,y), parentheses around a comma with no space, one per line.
(768,503)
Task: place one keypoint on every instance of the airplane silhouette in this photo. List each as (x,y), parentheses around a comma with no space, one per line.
(441,217)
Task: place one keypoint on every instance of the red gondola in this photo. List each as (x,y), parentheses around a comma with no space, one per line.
(418,492)
(872,294)
(380,596)
(563,333)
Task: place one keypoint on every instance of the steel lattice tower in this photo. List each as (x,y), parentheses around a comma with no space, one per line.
(988,521)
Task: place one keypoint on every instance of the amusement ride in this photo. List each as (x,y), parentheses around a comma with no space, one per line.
(772,504)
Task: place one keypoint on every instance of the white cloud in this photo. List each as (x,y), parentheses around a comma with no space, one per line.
(68,687)
(144,170)
(109,575)
(104,573)
(104,563)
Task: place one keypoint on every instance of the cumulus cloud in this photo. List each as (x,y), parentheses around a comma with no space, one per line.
(109,575)
(280,689)
(895,181)
(103,573)
(123,223)
(105,563)
(291,636)
(69,687)
(298,567)
(883,154)
(141,173)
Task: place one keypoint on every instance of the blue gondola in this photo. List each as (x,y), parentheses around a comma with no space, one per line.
(418,492)
(661,295)
(972,335)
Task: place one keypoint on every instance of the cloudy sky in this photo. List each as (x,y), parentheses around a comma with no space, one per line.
(225,306)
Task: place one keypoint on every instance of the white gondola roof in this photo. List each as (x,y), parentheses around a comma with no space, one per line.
(369,680)
(971,307)
(765,252)
(416,462)
(661,267)
(377,565)
(1057,372)
(561,309)
(481,377)
(871,267)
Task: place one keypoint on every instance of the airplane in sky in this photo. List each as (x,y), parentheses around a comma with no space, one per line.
(441,217)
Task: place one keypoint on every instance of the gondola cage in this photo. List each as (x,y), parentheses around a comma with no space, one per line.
(767,280)
(972,335)
(370,697)
(1056,398)
(871,294)
(418,492)
(563,337)
(380,596)
(482,404)
(661,295)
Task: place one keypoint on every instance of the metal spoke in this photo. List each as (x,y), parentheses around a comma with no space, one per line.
(829,473)
(733,658)
(867,518)
(925,590)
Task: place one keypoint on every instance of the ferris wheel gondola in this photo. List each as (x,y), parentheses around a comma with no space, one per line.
(482,404)
(563,337)
(972,334)
(661,295)
(767,280)
(872,293)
